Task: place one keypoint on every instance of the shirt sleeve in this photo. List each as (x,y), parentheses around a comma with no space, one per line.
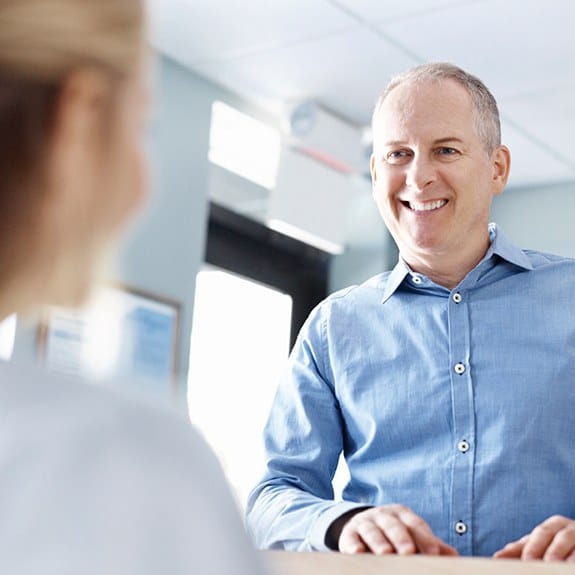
(293,505)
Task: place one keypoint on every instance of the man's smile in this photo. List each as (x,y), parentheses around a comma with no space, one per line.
(424,206)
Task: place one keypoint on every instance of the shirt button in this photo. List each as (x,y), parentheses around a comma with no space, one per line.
(463,446)
(457,297)
(459,368)
(416,279)
(460,528)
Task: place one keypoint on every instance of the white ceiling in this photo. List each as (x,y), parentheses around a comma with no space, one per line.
(340,54)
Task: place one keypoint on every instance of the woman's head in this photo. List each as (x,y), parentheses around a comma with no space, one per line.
(72,105)
(44,40)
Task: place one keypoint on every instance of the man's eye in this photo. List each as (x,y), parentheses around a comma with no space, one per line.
(447,151)
(395,156)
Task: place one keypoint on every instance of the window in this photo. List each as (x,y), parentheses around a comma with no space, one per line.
(244,145)
(7,337)
(240,342)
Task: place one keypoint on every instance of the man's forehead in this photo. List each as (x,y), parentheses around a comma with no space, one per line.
(409,95)
(441,108)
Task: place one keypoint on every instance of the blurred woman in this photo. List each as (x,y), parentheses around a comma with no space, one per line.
(90,482)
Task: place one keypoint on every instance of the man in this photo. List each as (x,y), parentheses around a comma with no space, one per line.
(448,383)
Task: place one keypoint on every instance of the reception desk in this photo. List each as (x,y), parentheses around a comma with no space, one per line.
(292,563)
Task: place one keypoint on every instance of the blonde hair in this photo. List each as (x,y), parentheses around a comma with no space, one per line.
(42,42)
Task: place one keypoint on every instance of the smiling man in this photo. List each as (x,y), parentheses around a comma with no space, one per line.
(448,383)
(434,177)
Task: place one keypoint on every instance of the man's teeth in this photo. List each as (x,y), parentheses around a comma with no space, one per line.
(427,206)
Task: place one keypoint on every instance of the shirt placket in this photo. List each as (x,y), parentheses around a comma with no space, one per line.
(461,369)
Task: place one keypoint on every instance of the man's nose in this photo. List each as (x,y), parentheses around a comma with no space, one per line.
(420,173)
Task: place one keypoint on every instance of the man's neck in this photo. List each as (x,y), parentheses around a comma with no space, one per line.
(447,270)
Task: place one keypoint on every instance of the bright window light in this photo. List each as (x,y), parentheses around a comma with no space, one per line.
(243,145)
(239,346)
(7,337)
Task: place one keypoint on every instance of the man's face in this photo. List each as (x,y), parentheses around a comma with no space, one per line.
(433,180)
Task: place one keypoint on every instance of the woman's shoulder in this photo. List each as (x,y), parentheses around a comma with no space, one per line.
(80,461)
(69,418)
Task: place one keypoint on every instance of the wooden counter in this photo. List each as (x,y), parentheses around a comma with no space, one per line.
(293,563)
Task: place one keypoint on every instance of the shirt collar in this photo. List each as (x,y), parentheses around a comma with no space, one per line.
(503,248)
(500,246)
(395,279)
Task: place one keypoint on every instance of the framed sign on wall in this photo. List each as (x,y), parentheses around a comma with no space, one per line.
(122,334)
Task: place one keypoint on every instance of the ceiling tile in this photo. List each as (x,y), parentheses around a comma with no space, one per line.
(513,45)
(379,11)
(334,71)
(222,29)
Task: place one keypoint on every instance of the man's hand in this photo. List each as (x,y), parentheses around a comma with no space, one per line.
(390,529)
(552,540)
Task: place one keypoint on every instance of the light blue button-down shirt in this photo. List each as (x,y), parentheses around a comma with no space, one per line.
(459,404)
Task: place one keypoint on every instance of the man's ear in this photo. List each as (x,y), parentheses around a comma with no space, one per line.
(372,169)
(501,160)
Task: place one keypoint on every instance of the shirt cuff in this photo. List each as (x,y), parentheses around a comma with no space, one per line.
(319,530)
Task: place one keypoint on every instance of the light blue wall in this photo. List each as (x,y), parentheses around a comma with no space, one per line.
(165,250)
(539,217)
(370,249)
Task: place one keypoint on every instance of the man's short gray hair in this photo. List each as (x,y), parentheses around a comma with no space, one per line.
(486,113)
